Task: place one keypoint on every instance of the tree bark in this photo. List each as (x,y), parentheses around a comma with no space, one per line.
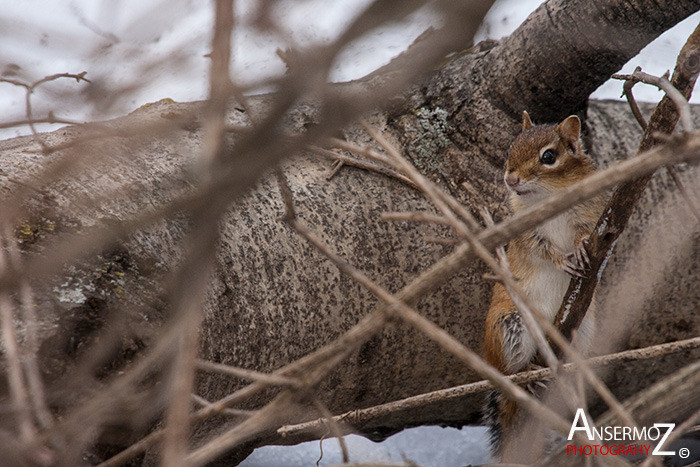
(273,298)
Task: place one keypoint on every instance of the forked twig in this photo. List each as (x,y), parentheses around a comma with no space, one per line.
(342,160)
(334,427)
(665,85)
(627,92)
(29,90)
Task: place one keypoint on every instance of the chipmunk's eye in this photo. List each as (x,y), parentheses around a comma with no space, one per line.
(548,157)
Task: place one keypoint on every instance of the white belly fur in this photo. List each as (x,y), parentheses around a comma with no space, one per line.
(546,288)
(559,231)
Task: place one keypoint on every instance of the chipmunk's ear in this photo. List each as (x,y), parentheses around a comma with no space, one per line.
(570,130)
(527,123)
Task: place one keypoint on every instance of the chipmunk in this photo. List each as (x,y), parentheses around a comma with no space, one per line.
(542,160)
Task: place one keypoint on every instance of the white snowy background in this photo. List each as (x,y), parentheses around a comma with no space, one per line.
(123,44)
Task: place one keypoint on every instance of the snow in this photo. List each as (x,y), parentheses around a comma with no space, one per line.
(427,446)
(137,51)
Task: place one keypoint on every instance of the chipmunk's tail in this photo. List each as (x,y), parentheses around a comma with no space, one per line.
(499,416)
(490,418)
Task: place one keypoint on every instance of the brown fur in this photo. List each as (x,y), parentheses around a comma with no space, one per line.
(524,157)
(527,252)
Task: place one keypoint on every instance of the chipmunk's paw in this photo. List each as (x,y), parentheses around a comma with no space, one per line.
(536,387)
(578,263)
(533,366)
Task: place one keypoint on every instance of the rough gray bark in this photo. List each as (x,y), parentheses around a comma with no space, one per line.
(274,299)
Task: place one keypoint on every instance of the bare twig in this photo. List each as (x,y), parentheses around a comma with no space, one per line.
(205,238)
(369,152)
(441,240)
(665,85)
(18,389)
(627,92)
(49,119)
(356,420)
(333,426)
(265,378)
(199,400)
(350,161)
(279,408)
(414,217)
(29,89)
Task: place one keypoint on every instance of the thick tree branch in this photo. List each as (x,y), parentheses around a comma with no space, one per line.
(566,49)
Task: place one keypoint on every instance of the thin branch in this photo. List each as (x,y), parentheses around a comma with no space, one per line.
(665,85)
(414,217)
(361,150)
(453,204)
(199,400)
(265,378)
(351,161)
(78,77)
(271,416)
(627,92)
(441,240)
(49,119)
(334,427)
(279,408)
(356,420)
(204,238)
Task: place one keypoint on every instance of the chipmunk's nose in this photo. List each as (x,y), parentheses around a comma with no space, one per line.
(512,180)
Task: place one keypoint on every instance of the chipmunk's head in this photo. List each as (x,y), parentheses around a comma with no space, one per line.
(545,158)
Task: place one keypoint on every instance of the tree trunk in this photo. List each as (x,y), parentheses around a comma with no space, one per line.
(273,298)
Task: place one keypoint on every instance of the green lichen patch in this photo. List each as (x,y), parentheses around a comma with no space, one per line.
(427,132)
(30,231)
